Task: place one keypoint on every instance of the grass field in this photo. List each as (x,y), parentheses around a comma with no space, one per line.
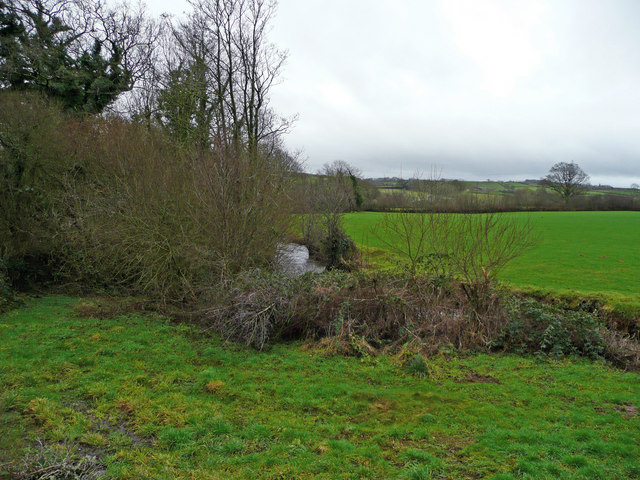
(507,187)
(584,252)
(151,399)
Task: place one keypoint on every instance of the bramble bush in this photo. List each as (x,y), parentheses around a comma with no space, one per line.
(379,311)
(534,327)
(358,313)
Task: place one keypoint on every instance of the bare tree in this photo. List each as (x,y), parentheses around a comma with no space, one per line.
(325,201)
(568,179)
(479,246)
(346,180)
(470,247)
(219,71)
(408,235)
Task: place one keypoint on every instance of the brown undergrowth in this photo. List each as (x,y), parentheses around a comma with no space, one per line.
(372,311)
(364,314)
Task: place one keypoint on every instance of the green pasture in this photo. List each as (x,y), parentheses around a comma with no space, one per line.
(582,252)
(489,186)
(152,399)
(507,188)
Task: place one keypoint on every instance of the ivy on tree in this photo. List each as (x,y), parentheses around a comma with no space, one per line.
(41,51)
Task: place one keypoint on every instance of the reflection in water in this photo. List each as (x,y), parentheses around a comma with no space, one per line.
(294,260)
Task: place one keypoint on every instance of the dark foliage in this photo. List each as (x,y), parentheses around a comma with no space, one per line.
(337,248)
(534,327)
(41,49)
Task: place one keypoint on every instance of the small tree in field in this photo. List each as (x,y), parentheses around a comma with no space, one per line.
(568,179)
(327,197)
(470,247)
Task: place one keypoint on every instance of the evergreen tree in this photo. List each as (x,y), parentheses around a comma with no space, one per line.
(40,51)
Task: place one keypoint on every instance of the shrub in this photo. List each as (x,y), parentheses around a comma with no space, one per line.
(361,313)
(35,164)
(470,247)
(358,311)
(622,350)
(534,327)
(115,205)
(326,200)
(258,307)
(337,248)
(7,295)
(323,234)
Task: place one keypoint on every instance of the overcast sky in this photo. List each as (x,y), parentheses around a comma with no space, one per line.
(478,89)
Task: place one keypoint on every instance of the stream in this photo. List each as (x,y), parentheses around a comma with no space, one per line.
(294,260)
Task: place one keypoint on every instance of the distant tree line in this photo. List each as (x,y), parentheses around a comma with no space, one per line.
(566,187)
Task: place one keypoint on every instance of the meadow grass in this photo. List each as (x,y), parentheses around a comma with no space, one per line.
(576,253)
(153,399)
